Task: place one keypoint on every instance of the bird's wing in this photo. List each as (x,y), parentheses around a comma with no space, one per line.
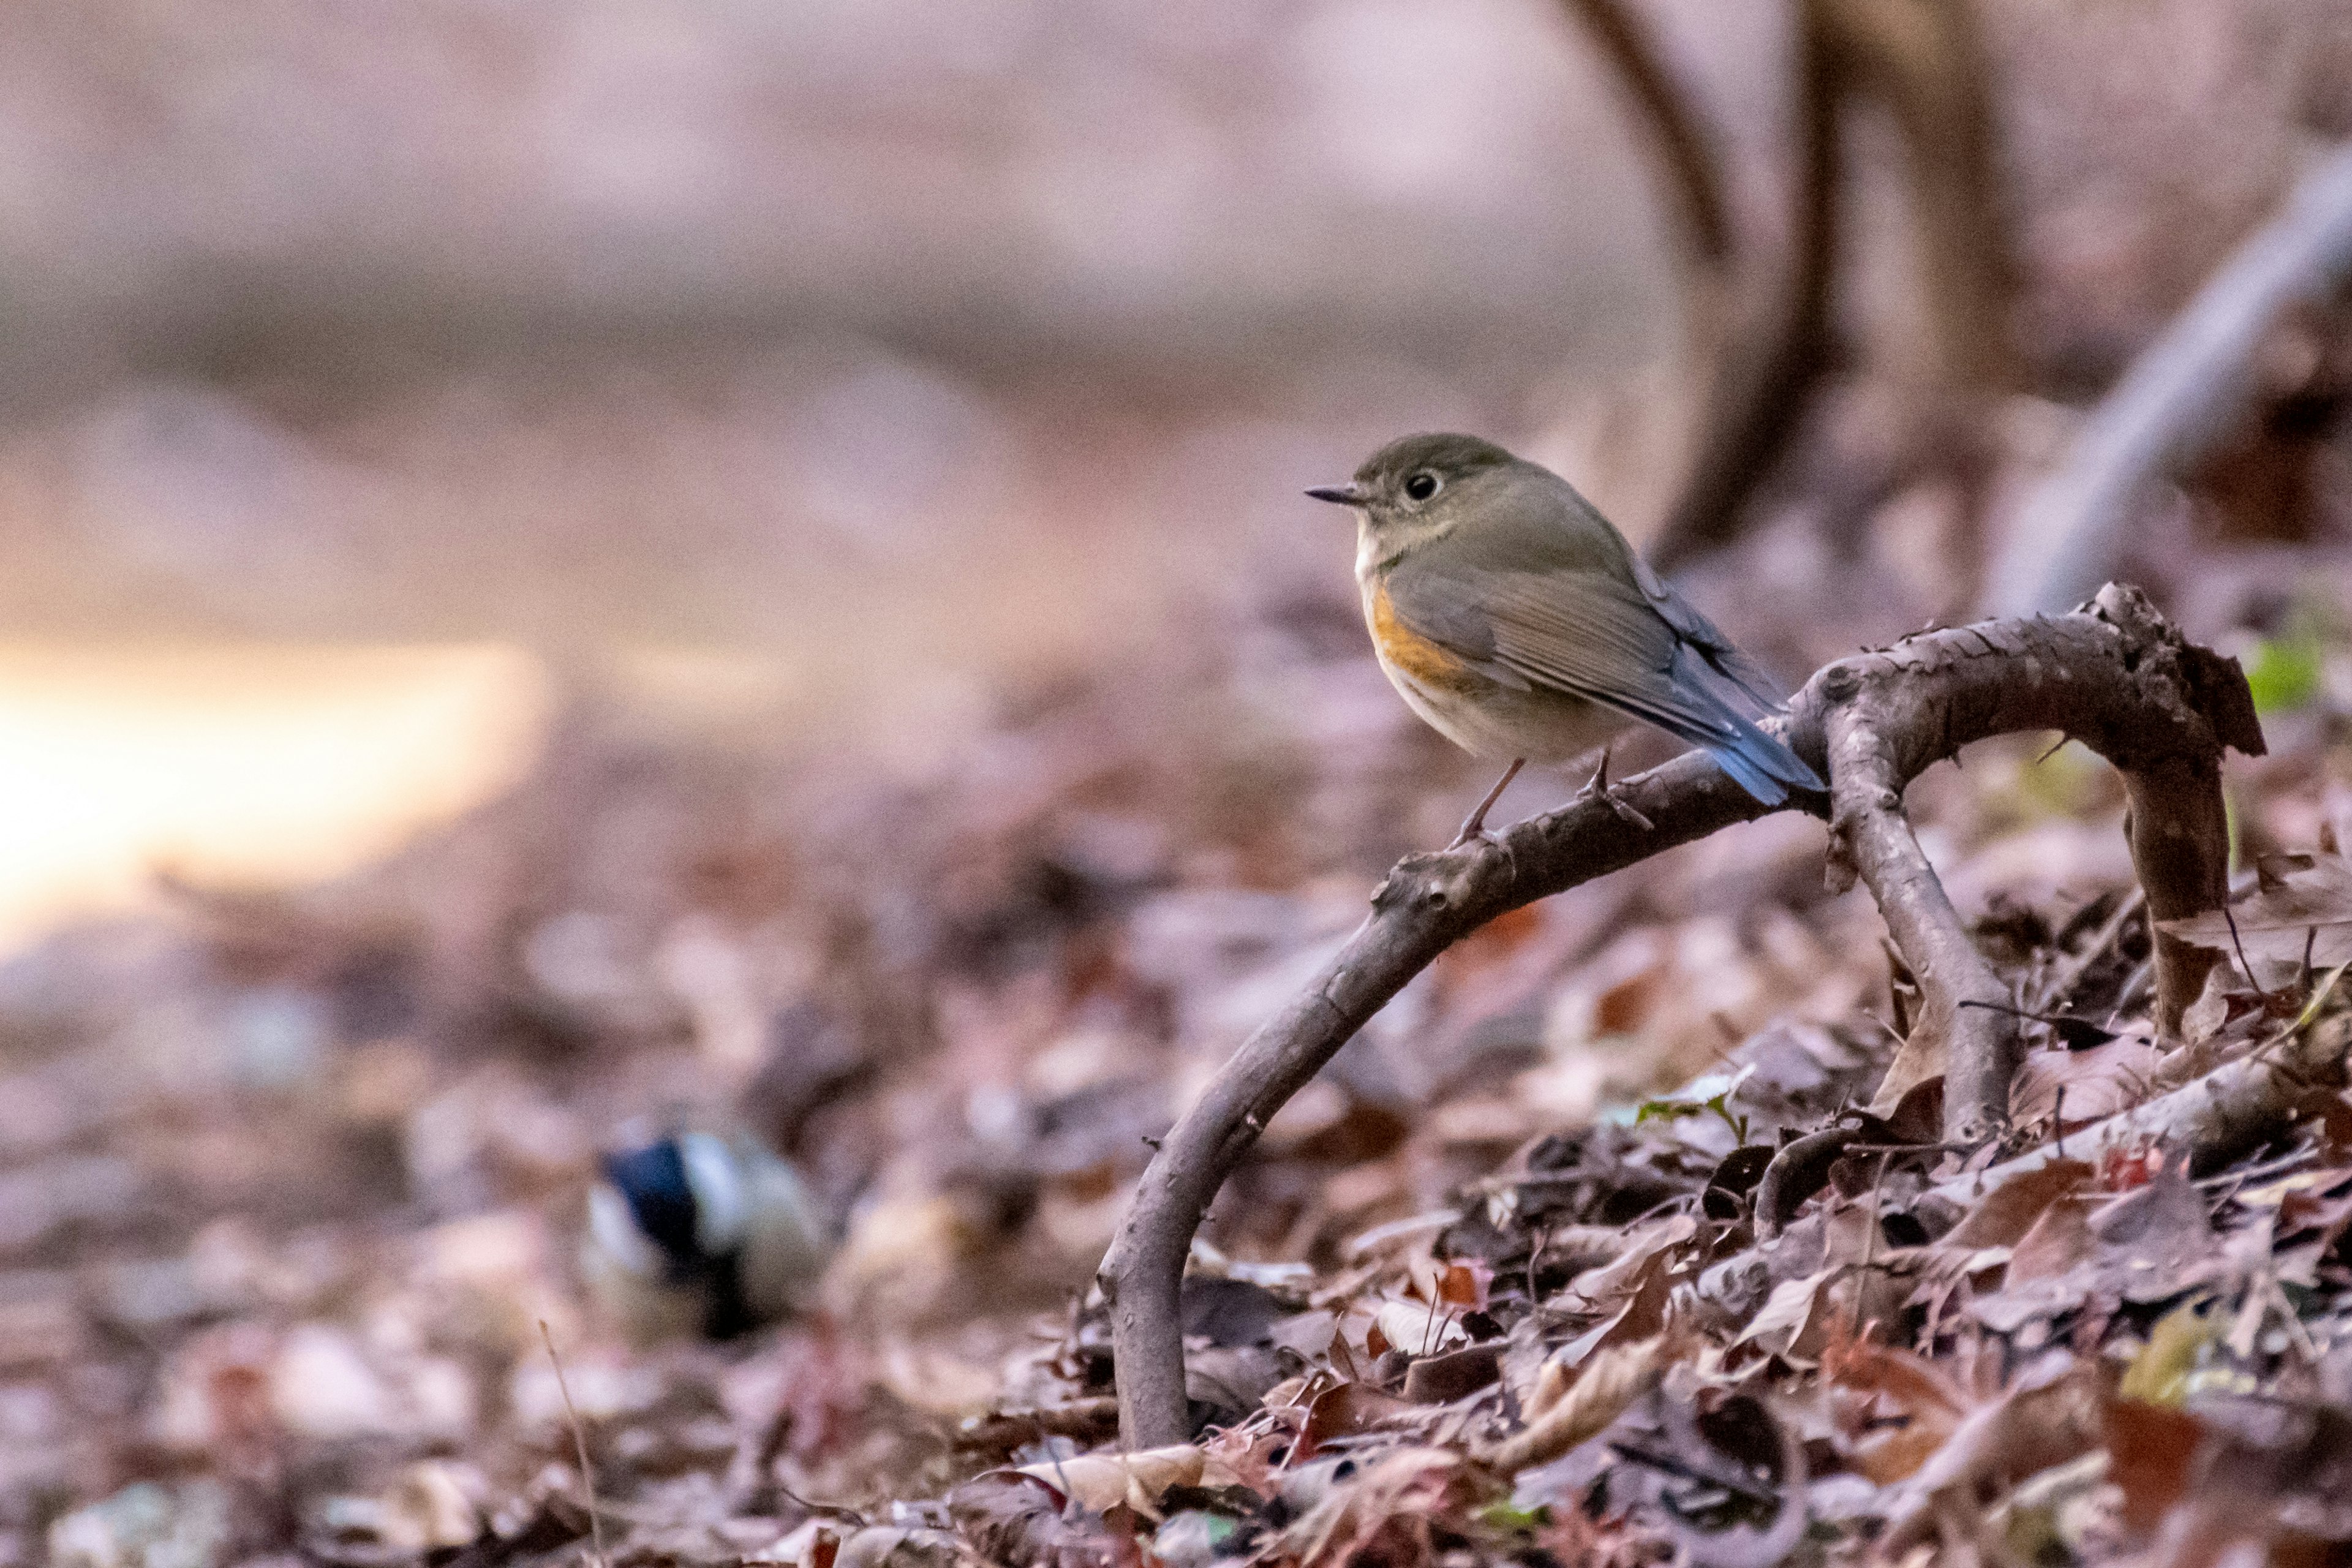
(1582,634)
(1594,635)
(1711,645)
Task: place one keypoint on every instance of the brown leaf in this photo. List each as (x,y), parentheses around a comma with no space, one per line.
(1612,1381)
(1344,1411)
(2084,1086)
(1916,1384)
(1246,1455)
(1642,1315)
(1384,1515)
(2150,1450)
(1919,1061)
(2302,898)
(1464,1285)
(2045,1418)
(1915,1387)
(2157,1241)
(2061,1240)
(2154,1242)
(1009,1518)
(1918,1116)
(1442,1379)
(2003,1215)
(1103,1481)
(1792,1323)
(1632,1268)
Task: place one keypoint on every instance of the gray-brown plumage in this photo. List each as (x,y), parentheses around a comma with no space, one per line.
(1512,616)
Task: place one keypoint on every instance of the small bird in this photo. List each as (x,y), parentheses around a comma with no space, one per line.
(1518,623)
(696,1234)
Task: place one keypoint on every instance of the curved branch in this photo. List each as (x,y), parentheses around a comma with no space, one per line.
(2178,398)
(1964,1007)
(1925,62)
(2116,678)
(1761,393)
(1694,173)
(1924,59)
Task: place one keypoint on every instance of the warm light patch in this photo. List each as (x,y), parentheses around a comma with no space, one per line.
(248,765)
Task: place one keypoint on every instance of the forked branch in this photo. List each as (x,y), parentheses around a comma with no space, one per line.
(2114,676)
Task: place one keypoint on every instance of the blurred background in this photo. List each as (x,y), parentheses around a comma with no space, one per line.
(812,359)
(573,568)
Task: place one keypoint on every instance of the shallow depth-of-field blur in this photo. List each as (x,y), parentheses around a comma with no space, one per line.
(572,570)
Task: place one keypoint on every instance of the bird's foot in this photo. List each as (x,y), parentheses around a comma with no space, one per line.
(1474,826)
(1597,787)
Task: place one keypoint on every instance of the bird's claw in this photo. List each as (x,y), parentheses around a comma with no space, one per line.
(1597,787)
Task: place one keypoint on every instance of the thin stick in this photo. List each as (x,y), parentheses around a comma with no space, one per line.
(2243,961)
(578,1445)
(1870,1237)
(2071,971)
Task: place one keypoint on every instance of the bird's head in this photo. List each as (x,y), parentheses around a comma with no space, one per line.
(1417,487)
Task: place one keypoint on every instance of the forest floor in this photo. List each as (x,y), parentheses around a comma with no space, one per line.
(290,1184)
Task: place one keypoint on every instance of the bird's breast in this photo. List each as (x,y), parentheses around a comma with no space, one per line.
(1400,646)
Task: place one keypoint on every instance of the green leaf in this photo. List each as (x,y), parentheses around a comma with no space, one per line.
(2285,671)
(1511,1516)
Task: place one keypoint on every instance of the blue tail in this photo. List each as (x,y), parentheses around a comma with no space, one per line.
(1762,765)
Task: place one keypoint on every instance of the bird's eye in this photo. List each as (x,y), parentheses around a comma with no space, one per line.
(1422,486)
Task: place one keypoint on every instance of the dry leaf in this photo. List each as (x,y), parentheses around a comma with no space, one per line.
(1346,1411)
(2061,1240)
(1101,1481)
(2303,905)
(2045,1418)
(1384,1515)
(1787,1321)
(2151,1448)
(1420,1328)
(1919,1060)
(2003,1215)
(1934,1405)
(2085,1085)
(1012,1518)
(1608,1384)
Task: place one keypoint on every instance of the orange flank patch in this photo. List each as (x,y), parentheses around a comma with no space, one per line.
(1424,660)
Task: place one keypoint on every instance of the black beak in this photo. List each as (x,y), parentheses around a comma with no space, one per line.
(1340,495)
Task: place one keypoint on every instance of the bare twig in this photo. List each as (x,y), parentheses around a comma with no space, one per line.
(578,1445)
(1684,146)
(2178,398)
(2061,981)
(2115,676)
(2224,1113)
(1761,392)
(1924,61)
